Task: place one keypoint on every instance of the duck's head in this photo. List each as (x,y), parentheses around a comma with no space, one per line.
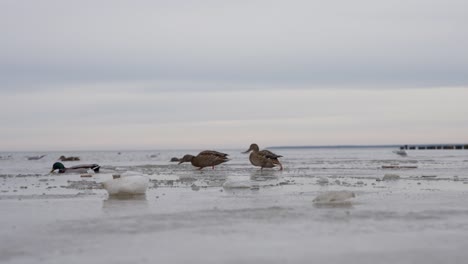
(58,166)
(253,147)
(186,158)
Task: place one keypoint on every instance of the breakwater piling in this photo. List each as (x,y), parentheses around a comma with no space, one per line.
(436,146)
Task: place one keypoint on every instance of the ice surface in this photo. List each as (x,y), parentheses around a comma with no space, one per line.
(237,184)
(188,216)
(334,197)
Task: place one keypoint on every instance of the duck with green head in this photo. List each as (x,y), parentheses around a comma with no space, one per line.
(207,158)
(263,158)
(75,169)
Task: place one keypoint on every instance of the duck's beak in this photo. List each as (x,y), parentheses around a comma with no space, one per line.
(181,161)
(51,171)
(247,151)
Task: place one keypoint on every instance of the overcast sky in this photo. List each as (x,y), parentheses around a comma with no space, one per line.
(85,75)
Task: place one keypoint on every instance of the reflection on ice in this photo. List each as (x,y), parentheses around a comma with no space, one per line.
(264,175)
(125,204)
(126,197)
(346,204)
(237,184)
(265,172)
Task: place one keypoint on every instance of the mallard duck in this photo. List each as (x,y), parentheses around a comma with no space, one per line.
(207,158)
(263,158)
(75,169)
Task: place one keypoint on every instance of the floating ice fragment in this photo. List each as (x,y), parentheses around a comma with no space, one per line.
(129,183)
(334,197)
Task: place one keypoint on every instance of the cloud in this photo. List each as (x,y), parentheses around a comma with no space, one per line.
(338,43)
(83,118)
(111,74)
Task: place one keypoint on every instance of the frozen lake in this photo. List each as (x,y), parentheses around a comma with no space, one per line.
(188,216)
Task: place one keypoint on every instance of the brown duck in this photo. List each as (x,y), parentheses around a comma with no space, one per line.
(63,158)
(263,158)
(207,158)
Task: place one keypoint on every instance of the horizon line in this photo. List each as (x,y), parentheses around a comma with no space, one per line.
(269,147)
(369,146)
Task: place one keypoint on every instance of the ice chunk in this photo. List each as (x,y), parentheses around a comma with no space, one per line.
(322,180)
(134,184)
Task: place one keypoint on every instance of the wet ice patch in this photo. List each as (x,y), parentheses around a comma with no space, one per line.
(429,176)
(130,173)
(232,184)
(334,197)
(391,177)
(82,185)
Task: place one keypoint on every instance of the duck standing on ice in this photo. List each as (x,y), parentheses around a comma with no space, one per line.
(75,169)
(263,158)
(207,158)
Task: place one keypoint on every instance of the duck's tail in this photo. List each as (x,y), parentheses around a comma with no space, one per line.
(95,168)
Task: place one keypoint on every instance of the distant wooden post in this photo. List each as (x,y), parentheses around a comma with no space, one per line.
(422,147)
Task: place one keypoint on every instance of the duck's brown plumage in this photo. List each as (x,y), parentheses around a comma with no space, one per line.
(213,153)
(263,158)
(206,158)
(63,158)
